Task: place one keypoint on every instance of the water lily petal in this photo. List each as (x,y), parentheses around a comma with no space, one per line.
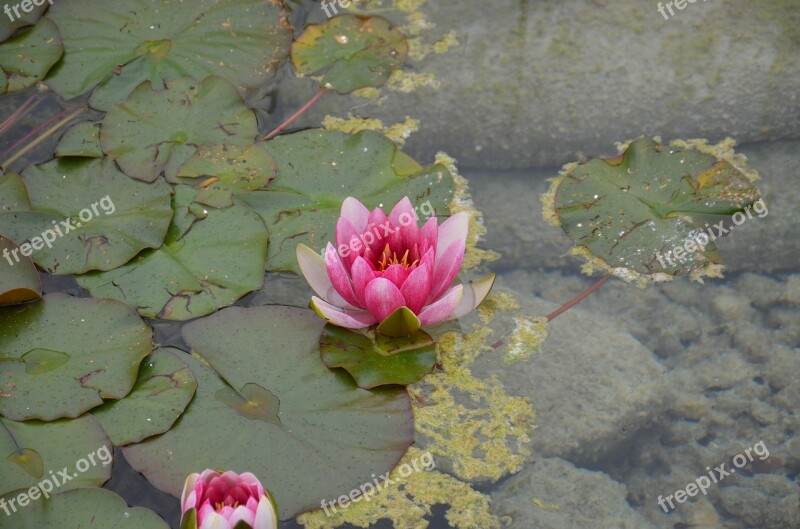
(189,496)
(313,267)
(396,273)
(350,319)
(362,274)
(345,233)
(404,219)
(356,212)
(416,287)
(266,517)
(453,229)
(445,268)
(338,275)
(474,294)
(242,513)
(443,308)
(428,235)
(382,298)
(213,521)
(381,228)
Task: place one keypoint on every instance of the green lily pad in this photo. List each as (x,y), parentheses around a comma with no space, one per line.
(32,451)
(128,42)
(19,282)
(325,438)
(164,388)
(350,52)
(27,57)
(379,360)
(231,167)
(298,209)
(82,139)
(103,342)
(13,193)
(210,258)
(633,211)
(83,508)
(156,131)
(20,19)
(86,215)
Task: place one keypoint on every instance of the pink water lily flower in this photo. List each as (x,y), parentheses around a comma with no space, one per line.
(220,500)
(386,265)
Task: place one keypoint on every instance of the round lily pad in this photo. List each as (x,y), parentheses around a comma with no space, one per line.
(163,390)
(378,360)
(86,215)
(210,258)
(63,355)
(19,282)
(128,42)
(650,211)
(156,130)
(83,508)
(299,209)
(350,52)
(27,57)
(32,451)
(308,433)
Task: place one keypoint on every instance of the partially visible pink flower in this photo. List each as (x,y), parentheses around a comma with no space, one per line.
(220,500)
(382,263)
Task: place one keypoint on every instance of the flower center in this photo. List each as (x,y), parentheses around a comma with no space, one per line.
(388,258)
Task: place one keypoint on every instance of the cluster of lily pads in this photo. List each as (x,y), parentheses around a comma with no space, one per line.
(205,203)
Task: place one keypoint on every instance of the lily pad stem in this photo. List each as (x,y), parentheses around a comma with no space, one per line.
(296,115)
(76,110)
(574,301)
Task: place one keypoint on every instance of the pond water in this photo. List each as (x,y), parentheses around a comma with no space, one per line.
(669,405)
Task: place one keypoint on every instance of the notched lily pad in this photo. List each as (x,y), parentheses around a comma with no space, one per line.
(378,360)
(50,369)
(27,57)
(85,215)
(127,42)
(650,211)
(19,281)
(156,131)
(31,451)
(229,167)
(87,508)
(350,52)
(298,209)
(331,435)
(209,259)
(163,389)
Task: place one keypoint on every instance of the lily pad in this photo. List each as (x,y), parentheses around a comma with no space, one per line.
(156,130)
(27,57)
(13,193)
(32,451)
(210,258)
(231,167)
(86,215)
(104,341)
(298,209)
(325,438)
(19,281)
(164,388)
(350,52)
(380,360)
(128,42)
(82,139)
(635,210)
(84,508)
(8,26)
